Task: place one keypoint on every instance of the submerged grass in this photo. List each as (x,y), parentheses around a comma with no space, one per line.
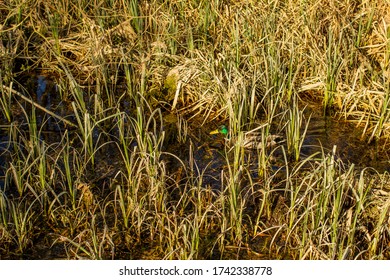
(114,161)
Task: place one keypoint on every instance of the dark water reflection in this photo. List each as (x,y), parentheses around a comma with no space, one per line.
(327,132)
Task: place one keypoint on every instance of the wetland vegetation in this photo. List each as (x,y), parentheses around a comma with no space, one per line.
(107,108)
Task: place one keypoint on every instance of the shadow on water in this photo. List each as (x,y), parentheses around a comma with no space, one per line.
(198,154)
(325,132)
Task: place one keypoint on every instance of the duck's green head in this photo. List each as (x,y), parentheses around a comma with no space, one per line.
(222,130)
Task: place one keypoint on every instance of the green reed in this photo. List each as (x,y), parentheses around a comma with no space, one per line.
(4,210)
(86,126)
(294,134)
(66,157)
(22,221)
(334,63)
(5,101)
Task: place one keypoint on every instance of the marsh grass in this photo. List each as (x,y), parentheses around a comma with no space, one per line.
(130,172)
(295,131)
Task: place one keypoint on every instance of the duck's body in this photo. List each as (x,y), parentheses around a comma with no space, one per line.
(250,140)
(254,141)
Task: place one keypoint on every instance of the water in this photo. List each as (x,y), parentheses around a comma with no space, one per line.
(326,132)
(41,87)
(207,153)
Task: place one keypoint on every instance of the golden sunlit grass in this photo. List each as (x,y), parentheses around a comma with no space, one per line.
(132,172)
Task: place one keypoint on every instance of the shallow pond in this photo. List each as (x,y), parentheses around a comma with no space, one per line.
(322,135)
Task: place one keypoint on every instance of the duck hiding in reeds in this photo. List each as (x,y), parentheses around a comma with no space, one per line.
(251,139)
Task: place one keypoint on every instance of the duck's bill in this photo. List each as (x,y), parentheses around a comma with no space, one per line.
(215,131)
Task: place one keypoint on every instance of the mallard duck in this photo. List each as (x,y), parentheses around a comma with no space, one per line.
(251,139)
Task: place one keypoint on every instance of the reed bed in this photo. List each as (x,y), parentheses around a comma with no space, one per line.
(118,163)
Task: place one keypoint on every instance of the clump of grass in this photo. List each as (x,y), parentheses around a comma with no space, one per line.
(294,134)
(21,221)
